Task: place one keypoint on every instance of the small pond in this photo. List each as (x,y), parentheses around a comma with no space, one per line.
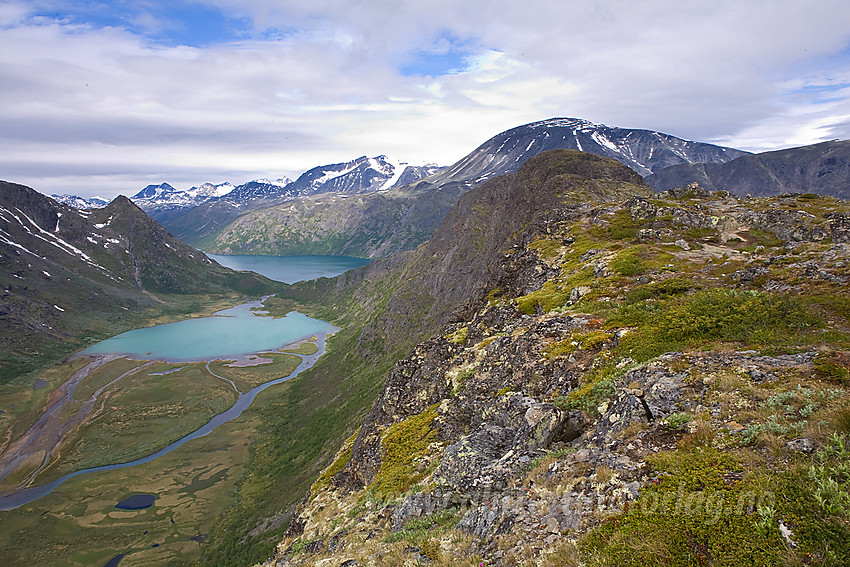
(137,502)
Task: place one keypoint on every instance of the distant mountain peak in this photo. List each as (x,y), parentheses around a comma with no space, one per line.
(81,203)
(645,151)
(153,191)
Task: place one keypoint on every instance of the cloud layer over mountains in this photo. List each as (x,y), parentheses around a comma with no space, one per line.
(107,99)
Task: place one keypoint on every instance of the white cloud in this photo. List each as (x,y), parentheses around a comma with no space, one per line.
(320,82)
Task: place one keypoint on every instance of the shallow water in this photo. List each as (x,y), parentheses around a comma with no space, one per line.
(27,495)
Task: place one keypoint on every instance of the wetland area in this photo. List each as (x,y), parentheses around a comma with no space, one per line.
(165,412)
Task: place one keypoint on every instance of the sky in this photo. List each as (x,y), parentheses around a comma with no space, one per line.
(105,97)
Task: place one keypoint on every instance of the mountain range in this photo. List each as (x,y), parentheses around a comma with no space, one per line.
(361,175)
(644,151)
(379,225)
(70,276)
(820,168)
(398,206)
(80,202)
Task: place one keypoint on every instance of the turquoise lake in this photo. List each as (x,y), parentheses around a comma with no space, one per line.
(291,269)
(229,333)
(239,330)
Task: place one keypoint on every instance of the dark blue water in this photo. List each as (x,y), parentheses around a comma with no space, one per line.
(137,502)
(115,560)
(291,269)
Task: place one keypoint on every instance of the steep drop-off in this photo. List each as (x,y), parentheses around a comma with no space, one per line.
(603,377)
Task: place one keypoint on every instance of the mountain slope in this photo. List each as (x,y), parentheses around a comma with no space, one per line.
(71,276)
(371,228)
(645,151)
(820,168)
(359,176)
(366,225)
(602,379)
(384,309)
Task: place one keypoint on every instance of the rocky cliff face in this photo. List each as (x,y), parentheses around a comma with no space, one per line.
(616,379)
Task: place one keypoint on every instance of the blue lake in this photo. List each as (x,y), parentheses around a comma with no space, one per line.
(226,335)
(291,269)
(229,333)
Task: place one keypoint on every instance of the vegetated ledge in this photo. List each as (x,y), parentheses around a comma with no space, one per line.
(654,381)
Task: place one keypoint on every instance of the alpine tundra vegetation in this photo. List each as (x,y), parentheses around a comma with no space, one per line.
(599,375)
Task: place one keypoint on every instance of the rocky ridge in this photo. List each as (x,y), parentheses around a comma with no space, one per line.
(820,168)
(620,378)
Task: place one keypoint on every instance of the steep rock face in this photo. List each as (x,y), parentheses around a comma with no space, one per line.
(821,168)
(610,369)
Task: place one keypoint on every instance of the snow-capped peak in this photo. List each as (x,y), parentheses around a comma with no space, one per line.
(154,191)
(282,182)
(81,203)
(211,190)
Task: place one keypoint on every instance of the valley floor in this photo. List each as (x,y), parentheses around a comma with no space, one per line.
(96,411)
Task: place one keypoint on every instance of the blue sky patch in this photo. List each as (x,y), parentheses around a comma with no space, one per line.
(168,23)
(447,55)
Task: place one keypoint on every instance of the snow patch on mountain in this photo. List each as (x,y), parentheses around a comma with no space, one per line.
(81,202)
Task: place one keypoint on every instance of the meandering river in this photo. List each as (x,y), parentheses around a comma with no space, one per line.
(27,495)
(229,334)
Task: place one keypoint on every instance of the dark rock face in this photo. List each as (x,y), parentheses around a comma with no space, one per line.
(821,168)
(515,431)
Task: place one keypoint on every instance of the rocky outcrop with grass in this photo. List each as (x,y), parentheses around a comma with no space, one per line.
(618,378)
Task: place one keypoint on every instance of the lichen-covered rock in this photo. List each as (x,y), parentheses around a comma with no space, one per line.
(516,429)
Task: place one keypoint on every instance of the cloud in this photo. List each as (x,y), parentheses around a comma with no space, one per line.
(259,88)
